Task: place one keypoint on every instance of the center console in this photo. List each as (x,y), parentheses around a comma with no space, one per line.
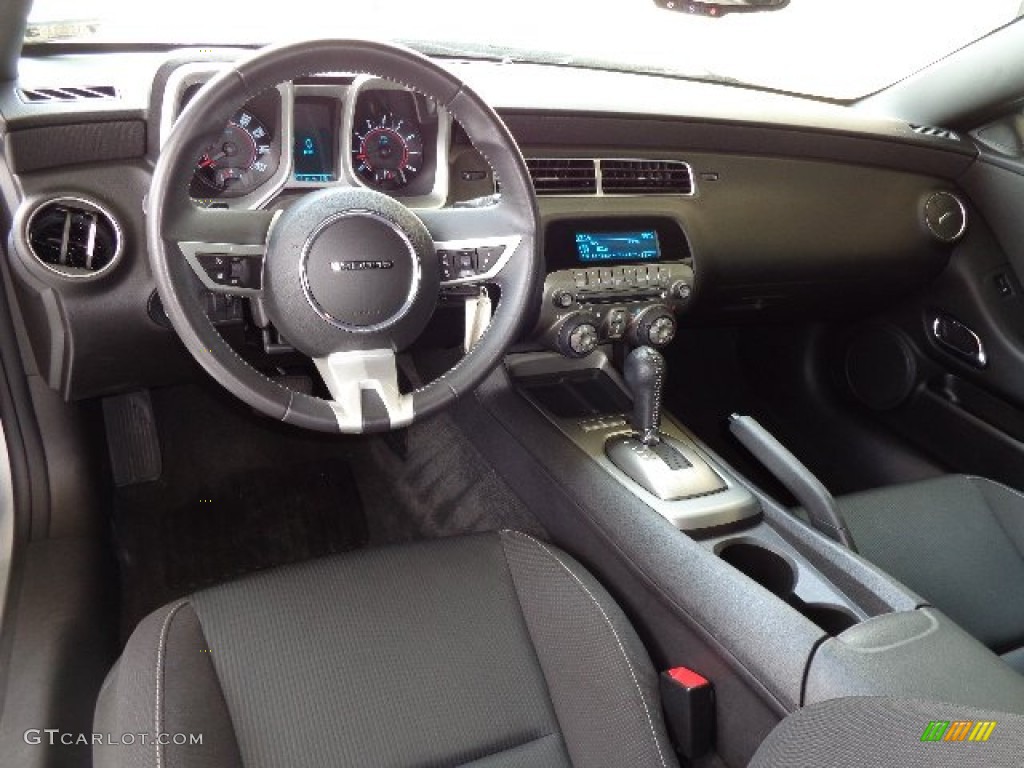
(776,612)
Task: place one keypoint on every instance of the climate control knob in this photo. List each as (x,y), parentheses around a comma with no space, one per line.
(654,326)
(578,334)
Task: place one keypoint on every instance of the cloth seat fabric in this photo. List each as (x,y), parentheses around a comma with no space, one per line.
(487,651)
(956,540)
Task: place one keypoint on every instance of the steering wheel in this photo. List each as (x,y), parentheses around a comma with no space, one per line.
(348,275)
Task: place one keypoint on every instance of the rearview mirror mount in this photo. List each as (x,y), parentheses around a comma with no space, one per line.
(721,7)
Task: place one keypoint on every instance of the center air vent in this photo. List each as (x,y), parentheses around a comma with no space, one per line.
(589,176)
(931,130)
(67,93)
(639,177)
(74,237)
(563,177)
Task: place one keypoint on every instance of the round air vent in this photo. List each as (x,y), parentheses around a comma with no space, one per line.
(945,216)
(74,237)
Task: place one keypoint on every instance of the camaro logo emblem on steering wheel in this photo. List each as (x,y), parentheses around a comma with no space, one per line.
(358,266)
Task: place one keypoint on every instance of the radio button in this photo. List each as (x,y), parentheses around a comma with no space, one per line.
(562,299)
(616,322)
(682,290)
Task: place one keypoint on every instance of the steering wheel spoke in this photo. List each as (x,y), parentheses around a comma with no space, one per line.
(230,268)
(468,250)
(229,257)
(364,388)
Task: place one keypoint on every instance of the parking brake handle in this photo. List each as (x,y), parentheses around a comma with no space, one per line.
(798,479)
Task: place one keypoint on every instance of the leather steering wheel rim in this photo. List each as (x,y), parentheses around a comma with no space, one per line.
(173,218)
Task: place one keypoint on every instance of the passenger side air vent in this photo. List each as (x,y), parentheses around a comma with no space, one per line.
(67,93)
(640,177)
(563,177)
(74,237)
(939,133)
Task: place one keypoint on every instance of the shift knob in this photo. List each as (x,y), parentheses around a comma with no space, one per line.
(645,375)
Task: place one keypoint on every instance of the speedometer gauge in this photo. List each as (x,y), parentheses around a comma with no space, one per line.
(387,152)
(238,162)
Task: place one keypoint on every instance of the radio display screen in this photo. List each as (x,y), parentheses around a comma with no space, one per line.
(601,247)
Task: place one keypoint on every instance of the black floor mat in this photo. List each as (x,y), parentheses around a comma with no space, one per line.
(238,493)
(168,547)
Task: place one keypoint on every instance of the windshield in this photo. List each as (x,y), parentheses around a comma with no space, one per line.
(838,49)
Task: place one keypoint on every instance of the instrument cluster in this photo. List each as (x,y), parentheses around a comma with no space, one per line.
(326,131)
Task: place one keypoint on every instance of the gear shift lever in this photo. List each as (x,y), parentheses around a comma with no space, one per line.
(660,465)
(644,371)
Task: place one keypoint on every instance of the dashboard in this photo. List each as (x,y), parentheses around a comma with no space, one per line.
(660,200)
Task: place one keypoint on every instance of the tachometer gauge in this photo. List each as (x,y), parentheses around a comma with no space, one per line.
(387,152)
(240,160)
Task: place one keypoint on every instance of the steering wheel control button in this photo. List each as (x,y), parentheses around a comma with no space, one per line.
(359,270)
(487,257)
(231,271)
(465,262)
(468,261)
(446,265)
(216,266)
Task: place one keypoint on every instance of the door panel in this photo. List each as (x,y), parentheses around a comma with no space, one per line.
(967,414)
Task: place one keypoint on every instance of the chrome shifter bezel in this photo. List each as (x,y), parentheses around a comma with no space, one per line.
(728,506)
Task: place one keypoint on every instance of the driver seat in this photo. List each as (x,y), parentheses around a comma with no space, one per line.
(492,651)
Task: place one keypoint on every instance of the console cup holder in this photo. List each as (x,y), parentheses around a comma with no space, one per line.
(770,570)
(776,574)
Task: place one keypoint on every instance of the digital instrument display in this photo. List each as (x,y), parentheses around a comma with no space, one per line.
(640,245)
(315,139)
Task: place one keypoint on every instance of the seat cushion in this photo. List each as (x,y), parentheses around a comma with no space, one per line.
(489,651)
(958,541)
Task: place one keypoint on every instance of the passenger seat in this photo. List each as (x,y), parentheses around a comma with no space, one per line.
(956,540)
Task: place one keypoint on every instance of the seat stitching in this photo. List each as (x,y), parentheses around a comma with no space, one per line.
(615,634)
(536,653)
(161,643)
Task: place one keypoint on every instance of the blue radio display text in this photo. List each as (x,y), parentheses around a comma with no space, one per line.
(618,246)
